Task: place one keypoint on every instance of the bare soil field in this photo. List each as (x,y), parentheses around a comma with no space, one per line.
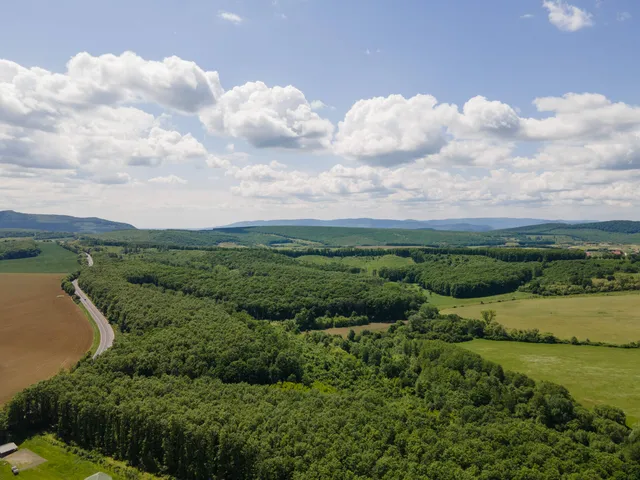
(41,331)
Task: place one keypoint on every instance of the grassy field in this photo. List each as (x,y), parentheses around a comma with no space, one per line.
(443,302)
(41,331)
(62,464)
(367,263)
(593,375)
(605,318)
(53,259)
(372,327)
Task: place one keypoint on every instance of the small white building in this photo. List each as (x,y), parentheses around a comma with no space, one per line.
(7,448)
(99,476)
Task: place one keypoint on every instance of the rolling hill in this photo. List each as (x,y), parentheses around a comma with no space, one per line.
(450,224)
(10,220)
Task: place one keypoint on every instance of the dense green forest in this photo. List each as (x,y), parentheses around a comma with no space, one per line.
(504,254)
(463,276)
(262,283)
(196,389)
(12,249)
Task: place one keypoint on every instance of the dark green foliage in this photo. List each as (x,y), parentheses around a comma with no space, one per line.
(194,389)
(271,286)
(12,249)
(462,276)
(504,254)
(614,226)
(584,276)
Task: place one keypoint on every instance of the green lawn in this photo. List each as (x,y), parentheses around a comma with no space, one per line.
(605,318)
(593,375)
(52,259)
(64,465)
(367,263)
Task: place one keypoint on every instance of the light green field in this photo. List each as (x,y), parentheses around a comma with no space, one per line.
(64,465)
(603,318)
(593,375)
(443,302)
(52,259)
(367,263)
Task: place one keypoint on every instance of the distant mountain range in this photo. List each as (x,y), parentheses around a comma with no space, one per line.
(11,220)
(450,224)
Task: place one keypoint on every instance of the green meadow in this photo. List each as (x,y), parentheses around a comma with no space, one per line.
(52,259)
(593,375)
(605,318)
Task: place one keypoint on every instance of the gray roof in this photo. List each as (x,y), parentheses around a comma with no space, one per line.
(7,448)
(99,476)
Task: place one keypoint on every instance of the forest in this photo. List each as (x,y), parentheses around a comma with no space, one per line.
(12,249)
(196,389)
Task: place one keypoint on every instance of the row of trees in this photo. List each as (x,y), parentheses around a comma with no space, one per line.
(419,254)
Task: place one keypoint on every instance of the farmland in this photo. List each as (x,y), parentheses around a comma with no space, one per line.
(593,375)
(41,331)
(63,464)
(612,318)
(52,259)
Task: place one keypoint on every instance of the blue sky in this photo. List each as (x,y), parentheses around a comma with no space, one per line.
(348,137)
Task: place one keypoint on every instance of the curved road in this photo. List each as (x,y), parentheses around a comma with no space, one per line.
(106,332)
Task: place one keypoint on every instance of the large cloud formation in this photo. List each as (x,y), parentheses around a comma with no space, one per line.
(91,125)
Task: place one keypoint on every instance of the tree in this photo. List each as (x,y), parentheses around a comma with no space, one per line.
(488,316)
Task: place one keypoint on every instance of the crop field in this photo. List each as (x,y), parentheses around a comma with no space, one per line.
(53,259)
(605,318)
(41,331)
(61,464)
(593,375)
(444,302)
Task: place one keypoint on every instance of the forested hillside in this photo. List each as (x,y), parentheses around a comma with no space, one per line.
(12,249)
(57,223)
(197,390)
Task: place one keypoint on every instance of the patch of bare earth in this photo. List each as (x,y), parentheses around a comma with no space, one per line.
(41,331)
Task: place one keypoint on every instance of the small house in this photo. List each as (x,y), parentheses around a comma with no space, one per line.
(7,448)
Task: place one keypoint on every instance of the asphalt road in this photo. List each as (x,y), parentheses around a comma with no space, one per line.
(106,332)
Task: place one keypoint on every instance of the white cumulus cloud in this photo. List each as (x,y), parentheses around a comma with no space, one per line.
(168,180)
(566,17)
(231,17)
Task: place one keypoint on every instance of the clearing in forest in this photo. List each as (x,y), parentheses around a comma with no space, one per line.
(41,331)
(593,375)
(603,318)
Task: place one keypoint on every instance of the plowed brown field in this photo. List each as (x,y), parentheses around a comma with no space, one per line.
(41,331)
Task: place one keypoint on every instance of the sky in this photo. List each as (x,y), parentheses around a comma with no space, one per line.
(194,114)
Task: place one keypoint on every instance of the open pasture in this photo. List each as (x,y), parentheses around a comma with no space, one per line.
(611,318)
(41,331)
(52,259)
(593,375)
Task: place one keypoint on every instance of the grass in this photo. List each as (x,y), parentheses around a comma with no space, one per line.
(605,318)
(63,464)
(443,302)
(593,375)
(369,264)
(52,259)
(372,327)
(94,327)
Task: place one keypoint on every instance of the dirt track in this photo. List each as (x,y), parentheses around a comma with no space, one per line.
(41,331)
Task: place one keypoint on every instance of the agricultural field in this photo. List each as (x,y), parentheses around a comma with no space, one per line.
(41,331)
(611,318)
(593,375)
(63,464)
(52,259)
(443,302)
